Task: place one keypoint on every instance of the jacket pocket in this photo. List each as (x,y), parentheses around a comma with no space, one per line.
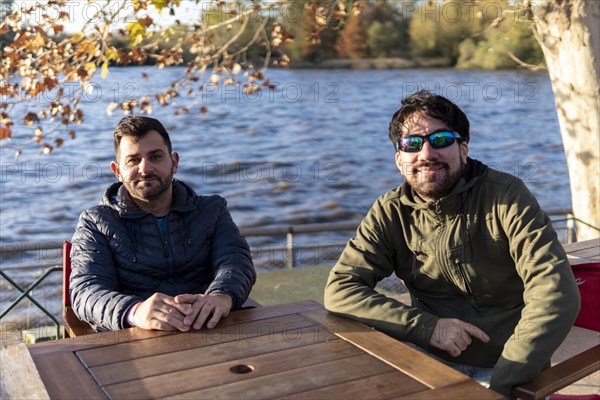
(460,271)
(419,258)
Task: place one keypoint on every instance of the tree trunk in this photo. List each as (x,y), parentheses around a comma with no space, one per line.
(569,33)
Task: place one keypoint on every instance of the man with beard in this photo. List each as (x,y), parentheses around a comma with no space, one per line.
(492,293)
(154,254)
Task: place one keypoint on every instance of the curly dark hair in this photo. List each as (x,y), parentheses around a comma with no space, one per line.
(433,106)
(138,127)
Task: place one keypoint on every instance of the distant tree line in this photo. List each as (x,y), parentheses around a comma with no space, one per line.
(488,34)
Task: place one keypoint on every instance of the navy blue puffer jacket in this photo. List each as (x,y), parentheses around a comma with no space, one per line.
(120,257)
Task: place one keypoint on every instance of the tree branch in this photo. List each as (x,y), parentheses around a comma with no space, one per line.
(523,64)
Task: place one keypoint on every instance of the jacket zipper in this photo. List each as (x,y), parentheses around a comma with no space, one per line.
(166,249)
(464,278)
(165,245)
(442,248)
(414,267)
(443,238)
(163,237)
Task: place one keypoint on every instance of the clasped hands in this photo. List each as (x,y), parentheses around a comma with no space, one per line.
(183,312)
(454,335)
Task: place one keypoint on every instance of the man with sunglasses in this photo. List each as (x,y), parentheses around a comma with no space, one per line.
(492,292)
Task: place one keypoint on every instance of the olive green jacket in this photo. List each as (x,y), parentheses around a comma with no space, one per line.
(486,254)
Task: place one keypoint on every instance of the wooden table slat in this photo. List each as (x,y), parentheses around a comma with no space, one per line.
(466,390)
(279,310)
(381,386)
(95,340)
(583,252)
(136,334)
(390,350)
(165,363)
(216,375)
(294,381)
(65,377)
(205,337)
(593,244)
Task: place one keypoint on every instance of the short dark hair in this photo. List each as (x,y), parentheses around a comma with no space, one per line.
(138,127)
(433,106)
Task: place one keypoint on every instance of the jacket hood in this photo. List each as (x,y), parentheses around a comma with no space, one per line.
(473,170)
(117,197)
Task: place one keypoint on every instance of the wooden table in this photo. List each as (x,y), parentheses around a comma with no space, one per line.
(289,351)
(587,251)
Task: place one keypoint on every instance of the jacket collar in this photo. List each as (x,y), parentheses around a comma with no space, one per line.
(117,197)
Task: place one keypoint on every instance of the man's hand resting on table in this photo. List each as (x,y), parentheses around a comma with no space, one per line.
(214,306)
(182,312)
(161,312)
(454,335)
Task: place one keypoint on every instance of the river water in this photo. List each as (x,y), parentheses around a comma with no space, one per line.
(314,149)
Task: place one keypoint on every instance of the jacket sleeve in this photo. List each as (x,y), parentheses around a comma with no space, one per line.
(369,257)
(231,260)
(93,285)
(551,296)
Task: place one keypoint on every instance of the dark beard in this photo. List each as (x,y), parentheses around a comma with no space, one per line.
(436,186)
(149,193)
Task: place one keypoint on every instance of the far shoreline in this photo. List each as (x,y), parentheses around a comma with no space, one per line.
(391,63)
(361,64)
(373,63)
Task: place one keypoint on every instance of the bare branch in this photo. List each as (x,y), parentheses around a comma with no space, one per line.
(523,64)
(257,34)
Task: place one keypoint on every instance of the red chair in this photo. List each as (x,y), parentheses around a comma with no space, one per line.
(73,326)
(583,364)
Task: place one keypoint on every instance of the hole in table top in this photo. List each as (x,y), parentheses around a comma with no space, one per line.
(241,369)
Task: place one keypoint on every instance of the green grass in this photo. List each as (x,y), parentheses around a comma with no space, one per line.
(307,283)
(290,285)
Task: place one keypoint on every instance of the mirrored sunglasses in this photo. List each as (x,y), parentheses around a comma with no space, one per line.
(438,140)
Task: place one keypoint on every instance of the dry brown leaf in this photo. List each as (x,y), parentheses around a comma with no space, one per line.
(31,118)
(5,133)
(58,28)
